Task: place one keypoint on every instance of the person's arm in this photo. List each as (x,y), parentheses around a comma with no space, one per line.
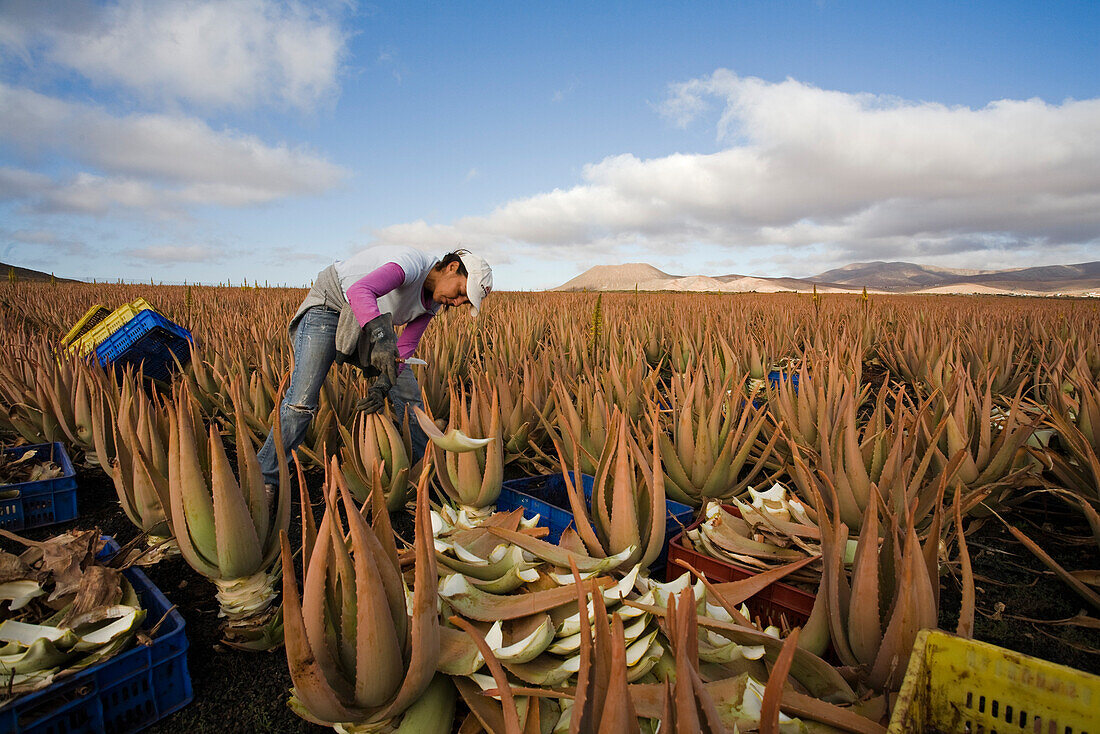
(410,337)
(364,293)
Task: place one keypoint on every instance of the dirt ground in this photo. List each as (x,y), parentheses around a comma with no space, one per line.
(248,691)
(1022,605)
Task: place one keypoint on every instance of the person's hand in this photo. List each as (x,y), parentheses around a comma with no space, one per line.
(376,396)
(383,347)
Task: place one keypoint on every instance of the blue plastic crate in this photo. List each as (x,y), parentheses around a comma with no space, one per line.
(775,376)
(547,497)
(125,693)
(148,339)
(45,502)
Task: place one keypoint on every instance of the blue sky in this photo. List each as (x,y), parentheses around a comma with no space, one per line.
(202,141)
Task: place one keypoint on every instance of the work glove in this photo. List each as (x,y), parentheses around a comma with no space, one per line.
(376,396)
(382,343)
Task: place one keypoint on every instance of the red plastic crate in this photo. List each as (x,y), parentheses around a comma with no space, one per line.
(780,604)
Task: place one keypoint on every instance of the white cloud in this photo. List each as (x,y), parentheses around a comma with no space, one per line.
(232,54)
(288,254)
(389,59)
(151,162)
(176,254)
(559,95)
(48,243)
(15,182)
(842,176)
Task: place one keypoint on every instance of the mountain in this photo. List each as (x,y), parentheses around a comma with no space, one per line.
(1046,278)
(902,277)
(28,274)
(877,277)
(618,278)
(645,277)
(893,276)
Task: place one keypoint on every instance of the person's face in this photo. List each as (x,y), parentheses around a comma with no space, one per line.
(450,288)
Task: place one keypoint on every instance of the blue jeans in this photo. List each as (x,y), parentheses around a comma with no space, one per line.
(314,353)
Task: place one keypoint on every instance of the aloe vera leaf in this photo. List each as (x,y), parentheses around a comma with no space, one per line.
(458,655)
(379,668)
(433,712)
(312,686)
(966,611)
(473,603)
(504,690)
(239,552)
(557,556)
(623,531)
(385,564)
(191,506)
(41,655)
(530,646)
(773,692)
(864,623)
(424,620)
(454,440)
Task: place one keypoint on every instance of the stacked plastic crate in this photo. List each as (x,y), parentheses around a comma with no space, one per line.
(133,335)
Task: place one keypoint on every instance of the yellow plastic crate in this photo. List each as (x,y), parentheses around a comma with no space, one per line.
(88,321)
(958,685)
(109,325)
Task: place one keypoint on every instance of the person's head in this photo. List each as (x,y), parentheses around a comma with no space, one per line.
(461,277)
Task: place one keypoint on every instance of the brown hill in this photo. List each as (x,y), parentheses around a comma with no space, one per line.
(877,277)
(625,277)
(648,278)
(28,274)
(902,277)
(894,276)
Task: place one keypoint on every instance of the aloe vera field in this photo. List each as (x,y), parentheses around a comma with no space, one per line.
(894,463)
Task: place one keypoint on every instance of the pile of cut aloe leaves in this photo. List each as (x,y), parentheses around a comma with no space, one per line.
(61,610)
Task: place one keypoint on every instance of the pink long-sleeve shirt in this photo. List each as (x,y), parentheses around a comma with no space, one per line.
(363,296)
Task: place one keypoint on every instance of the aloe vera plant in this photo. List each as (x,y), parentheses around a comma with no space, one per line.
(628,498)
(888,454)
(130,439)
(580,425)
(47,397)
(991,437)
(360,655)
(525,405)
(228,530)
(471,472)
(1076,420)
(376,443)
(710,450)
(873,619)
(927,358)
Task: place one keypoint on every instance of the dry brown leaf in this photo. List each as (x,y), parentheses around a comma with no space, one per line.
(99,587)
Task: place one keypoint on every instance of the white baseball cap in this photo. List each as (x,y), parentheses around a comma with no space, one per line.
(479,280)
